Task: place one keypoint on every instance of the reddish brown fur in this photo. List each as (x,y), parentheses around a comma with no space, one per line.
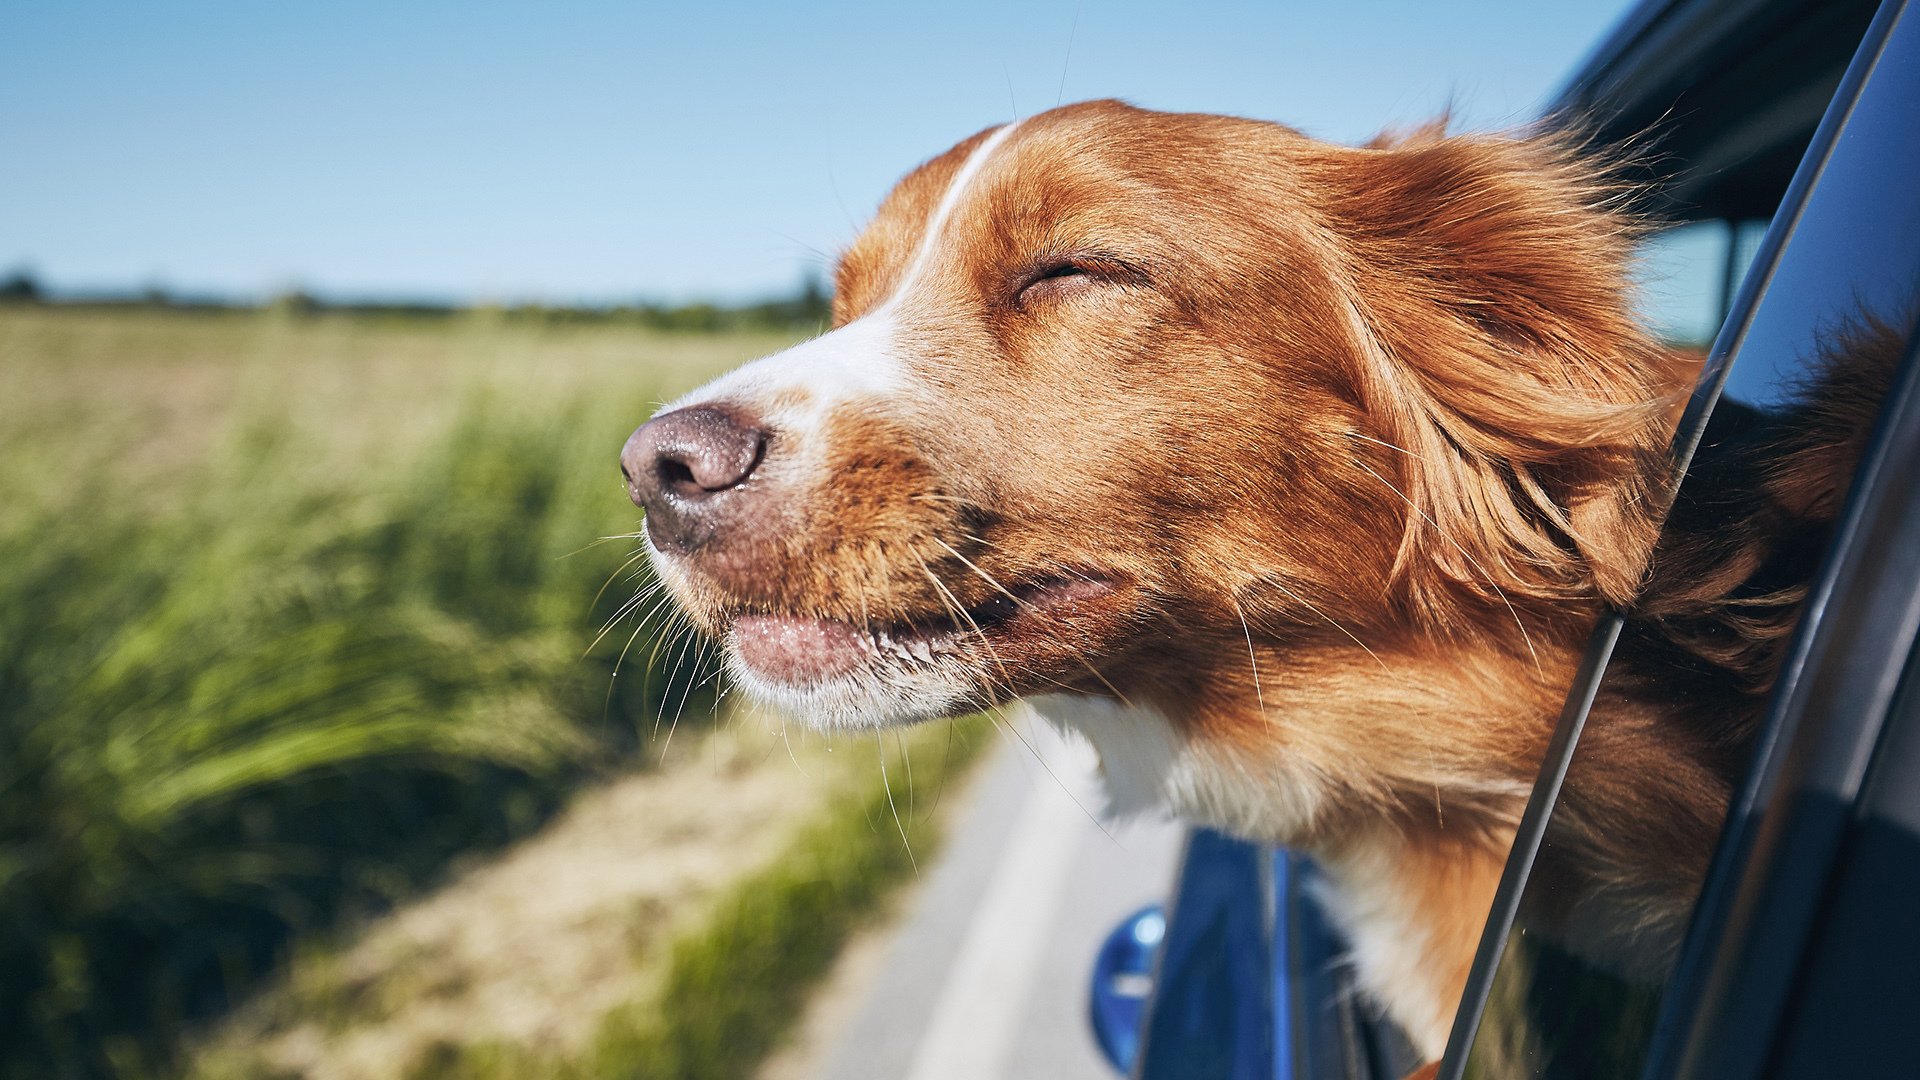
(1364,437)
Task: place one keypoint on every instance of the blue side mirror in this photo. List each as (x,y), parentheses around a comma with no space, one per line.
(1122,979)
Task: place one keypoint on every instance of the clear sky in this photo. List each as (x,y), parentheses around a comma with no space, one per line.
(588,151)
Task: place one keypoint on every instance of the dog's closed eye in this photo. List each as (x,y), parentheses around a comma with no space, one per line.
(1060,279)
(1055,281)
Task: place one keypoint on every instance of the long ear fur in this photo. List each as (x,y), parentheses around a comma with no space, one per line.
(1490,309)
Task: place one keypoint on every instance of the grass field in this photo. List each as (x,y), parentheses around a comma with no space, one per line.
(293,611)
(667,926)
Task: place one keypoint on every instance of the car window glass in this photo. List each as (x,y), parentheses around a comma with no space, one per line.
(1687,273)
(1603,911)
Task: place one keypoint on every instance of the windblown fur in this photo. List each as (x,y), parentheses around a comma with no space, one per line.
(1294,477)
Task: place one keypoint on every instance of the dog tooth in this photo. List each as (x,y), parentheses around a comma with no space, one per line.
(923,651)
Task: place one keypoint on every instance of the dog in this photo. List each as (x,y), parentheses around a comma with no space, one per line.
(1292,476)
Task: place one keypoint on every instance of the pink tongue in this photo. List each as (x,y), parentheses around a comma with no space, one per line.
(790,649)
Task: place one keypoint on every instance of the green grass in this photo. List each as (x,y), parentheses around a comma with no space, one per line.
(292,612)
(736,985)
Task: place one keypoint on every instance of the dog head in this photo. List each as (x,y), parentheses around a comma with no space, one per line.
(1116,402)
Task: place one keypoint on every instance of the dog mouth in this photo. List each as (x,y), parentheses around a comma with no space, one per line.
(800,651)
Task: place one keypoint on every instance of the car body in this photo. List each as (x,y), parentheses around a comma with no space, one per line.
(1788,134)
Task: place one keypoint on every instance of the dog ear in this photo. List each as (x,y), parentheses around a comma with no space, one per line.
(1490,308)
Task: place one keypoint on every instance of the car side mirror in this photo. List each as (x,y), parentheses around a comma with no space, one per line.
(1122,979)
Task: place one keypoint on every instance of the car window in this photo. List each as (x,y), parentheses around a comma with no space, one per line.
(1579,983)
(1687,275)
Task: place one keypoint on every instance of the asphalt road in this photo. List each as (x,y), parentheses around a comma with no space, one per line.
(986,978)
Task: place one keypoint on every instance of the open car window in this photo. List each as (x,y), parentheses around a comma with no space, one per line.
(1689,273)
(1571,979)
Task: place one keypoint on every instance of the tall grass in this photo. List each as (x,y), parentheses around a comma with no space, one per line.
(283,679)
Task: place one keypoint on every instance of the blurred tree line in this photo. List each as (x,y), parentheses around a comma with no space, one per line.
(808,308)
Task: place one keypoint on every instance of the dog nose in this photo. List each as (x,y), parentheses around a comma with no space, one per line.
(678,465)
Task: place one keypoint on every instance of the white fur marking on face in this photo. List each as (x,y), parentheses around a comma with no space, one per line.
(944,210)
(791,391)
(857,360)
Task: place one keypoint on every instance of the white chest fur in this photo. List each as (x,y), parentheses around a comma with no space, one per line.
(1149,766)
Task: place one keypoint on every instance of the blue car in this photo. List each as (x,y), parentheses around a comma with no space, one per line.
(1788,138)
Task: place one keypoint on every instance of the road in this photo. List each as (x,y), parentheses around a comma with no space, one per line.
(986,977)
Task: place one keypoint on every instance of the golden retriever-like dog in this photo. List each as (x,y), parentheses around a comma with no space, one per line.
(1293,476)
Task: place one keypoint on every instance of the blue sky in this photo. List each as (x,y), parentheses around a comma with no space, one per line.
(582,151)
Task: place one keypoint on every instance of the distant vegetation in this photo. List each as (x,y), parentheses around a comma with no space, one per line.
(805,310)
(292,611)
